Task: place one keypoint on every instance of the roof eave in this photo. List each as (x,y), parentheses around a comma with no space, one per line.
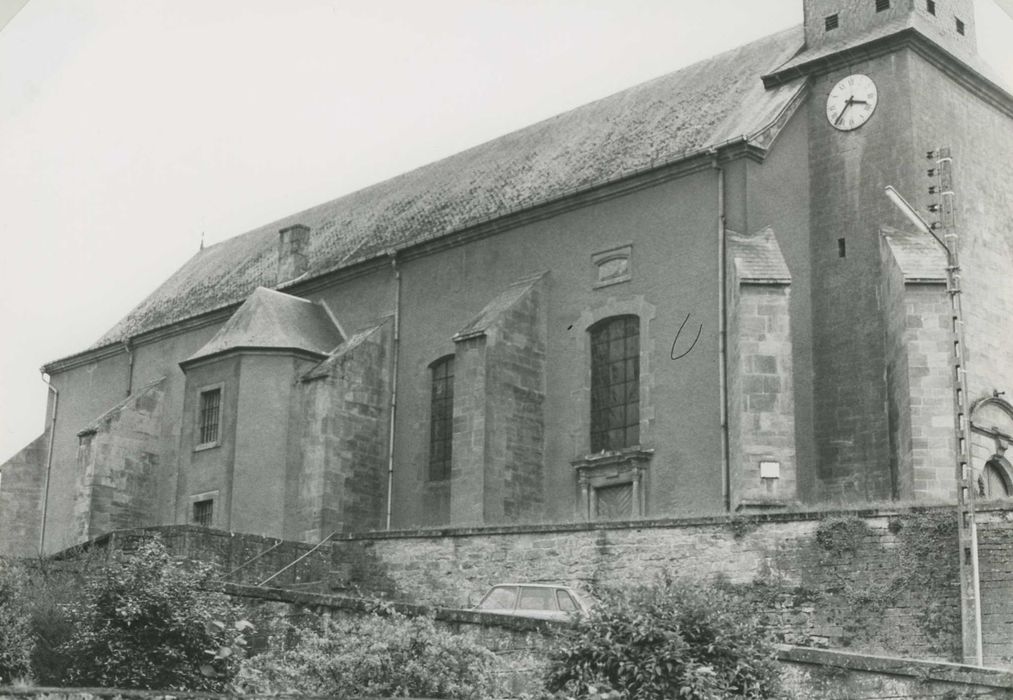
(909,37)
(304,353)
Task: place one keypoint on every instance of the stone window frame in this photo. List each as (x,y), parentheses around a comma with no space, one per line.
(599,259)
(631,464)
(213,497)
(612,469)
(201,391)
(430,418)
(1002,441)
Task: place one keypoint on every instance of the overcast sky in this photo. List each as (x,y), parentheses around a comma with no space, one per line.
(129,128)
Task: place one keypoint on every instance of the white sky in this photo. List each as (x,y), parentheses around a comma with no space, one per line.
(129,127)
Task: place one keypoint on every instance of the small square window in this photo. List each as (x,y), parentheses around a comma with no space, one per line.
(204,512)
(930,5)
(960,27)
(209,418)
(831,22)
(882,5)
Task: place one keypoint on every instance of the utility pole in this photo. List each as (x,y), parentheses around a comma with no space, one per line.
(941,188)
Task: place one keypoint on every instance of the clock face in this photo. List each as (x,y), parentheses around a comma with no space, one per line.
(851,102)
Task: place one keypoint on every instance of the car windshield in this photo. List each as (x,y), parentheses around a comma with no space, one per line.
(536,599)
(499,598)
(566,603)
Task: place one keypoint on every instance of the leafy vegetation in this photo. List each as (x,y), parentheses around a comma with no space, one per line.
(383,654)
(16,638)
(146,621)
(668,640)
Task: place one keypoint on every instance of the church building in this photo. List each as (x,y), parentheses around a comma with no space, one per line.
(690,297)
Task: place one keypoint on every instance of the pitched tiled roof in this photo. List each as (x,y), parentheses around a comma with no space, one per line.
(658,122)
(758,257)
(270,319)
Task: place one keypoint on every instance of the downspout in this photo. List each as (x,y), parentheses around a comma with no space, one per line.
(130,366)
(49,463)
(393,384)
(726,490)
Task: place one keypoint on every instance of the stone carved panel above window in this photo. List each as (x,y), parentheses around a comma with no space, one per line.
(612,266)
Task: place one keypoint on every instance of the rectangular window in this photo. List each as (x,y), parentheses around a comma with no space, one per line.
(882,5)
(831,22)
(441,419)
(960,27)
(209,419)
(615,383)
(930,5)
(204,512)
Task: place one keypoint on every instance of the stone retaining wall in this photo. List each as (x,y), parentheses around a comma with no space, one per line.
(878,581)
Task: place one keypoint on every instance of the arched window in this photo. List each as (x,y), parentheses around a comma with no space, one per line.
(615,383)
(441,418)
(995,481)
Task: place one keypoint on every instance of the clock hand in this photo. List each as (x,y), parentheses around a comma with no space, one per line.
(841,115)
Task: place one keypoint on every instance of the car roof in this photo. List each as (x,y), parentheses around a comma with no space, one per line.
(533,585)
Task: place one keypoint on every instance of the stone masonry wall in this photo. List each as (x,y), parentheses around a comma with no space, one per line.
(931,391)
(499,390)
(872,582)
(22,482)
(339,477)
(762,426)
(117,460)
(918,373)
(517,393)
(882,583)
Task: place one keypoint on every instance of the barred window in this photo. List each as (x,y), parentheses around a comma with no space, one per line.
(441,419)
(615,383)
(209,418)
(204,512)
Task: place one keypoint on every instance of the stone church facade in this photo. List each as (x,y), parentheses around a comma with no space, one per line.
(690,297)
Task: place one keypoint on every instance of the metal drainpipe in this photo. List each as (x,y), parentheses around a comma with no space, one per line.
(393,384)
(130,366)
(726,488)
(49,463)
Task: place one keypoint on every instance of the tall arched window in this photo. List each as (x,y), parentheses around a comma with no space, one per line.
(441,418)
(615,383)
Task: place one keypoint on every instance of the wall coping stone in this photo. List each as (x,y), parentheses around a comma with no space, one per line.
(890,665)
(779,516)
(339,602)
(653,523)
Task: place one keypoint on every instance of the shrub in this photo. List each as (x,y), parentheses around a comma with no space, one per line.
(385,655)
(669,640)
(16,637)
(146,621)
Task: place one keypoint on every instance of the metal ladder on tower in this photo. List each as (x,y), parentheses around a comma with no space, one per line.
(967,534)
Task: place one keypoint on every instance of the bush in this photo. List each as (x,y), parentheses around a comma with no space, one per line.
(385,655)
(146,621)
(17,641)
(669,640)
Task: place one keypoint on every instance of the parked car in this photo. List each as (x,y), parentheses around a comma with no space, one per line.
(538,600)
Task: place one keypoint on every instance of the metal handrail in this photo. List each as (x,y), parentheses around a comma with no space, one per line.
(285,568)
(254,558)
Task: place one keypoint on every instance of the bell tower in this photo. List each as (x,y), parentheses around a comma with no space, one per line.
(890,80)
(831,25)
